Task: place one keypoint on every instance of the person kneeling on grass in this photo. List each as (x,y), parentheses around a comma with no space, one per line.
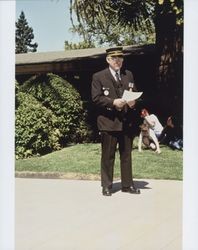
(155,129)
(148,138)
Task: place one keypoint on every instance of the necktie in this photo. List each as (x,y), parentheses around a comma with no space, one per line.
(117,76)
(120,91)
(119,85)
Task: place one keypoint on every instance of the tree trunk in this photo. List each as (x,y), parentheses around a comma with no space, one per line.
(169,45)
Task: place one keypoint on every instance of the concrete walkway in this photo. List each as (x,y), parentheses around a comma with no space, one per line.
(57,214)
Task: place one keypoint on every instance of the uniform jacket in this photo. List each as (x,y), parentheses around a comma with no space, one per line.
(104,91)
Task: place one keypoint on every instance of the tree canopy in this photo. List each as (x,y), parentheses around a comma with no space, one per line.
(121,22)
(109,22)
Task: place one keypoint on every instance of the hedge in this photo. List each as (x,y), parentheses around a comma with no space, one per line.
(64,101)
(49,115)
(36,127)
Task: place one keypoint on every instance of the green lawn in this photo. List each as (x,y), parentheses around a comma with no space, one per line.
(85,159)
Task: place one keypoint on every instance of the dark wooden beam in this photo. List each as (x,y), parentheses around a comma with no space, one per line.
(60,67)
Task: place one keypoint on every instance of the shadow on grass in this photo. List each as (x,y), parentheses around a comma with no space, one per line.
(138,184)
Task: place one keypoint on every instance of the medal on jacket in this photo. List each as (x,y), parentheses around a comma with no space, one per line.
(131,85)
(105,91)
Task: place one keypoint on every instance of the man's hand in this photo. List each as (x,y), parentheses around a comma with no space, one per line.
(119,103)
(131,104)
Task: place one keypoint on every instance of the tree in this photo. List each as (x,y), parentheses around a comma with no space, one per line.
(80,45)
(24,36)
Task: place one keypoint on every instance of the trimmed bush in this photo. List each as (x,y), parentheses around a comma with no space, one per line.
(36,127)
(64,101)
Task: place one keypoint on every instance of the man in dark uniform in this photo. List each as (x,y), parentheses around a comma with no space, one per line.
(115,120)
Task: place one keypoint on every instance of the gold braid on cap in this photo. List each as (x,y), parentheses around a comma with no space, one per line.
(118,51)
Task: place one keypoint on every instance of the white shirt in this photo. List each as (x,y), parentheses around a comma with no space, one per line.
(114,73)
(154,123)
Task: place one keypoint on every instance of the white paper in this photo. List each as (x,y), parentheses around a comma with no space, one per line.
(131,96)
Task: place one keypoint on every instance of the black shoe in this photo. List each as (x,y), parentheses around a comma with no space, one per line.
(106,191)
(131,190)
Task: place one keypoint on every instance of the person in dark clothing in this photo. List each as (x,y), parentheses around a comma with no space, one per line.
(115,120)
(172,134)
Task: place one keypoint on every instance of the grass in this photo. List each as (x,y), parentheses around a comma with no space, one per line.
(85,159)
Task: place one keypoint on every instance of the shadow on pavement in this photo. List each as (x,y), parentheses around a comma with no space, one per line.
(138,184)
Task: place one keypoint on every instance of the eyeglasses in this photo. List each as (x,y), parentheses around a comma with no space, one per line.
(118,58)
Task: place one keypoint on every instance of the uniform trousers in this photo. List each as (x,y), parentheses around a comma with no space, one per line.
(109,142)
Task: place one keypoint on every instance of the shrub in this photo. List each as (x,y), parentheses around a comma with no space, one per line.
(64,101)
(36,127)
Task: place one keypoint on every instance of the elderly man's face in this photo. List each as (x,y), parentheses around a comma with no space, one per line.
(115,62)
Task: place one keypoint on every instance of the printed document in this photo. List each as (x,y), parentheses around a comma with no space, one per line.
(131,96)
